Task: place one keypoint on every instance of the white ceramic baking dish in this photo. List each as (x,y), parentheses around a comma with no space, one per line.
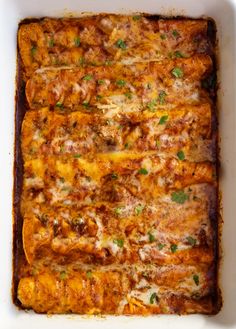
(224,13)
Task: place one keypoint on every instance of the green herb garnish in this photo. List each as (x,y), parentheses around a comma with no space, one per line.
(163,119)
(101,82)
(82,61)
(33,50)
(121,44)
(151,105)
(191,241)
(119,242)
(177,72)
(77,41)
(163,36)
(153,298)
(162,96)
(136,17)
(196,279)
(178,54)
(175,33)
(114,175)
(181,155)
(85,104)
(173,248)
(118,210)
(87,77)
(139,209)
(63,275)
(120,83)
(128,95)
(89,274)
(143,171)
(51,43)
(160,246)
(151,237)
(60,105)
(179,197)
(77,156)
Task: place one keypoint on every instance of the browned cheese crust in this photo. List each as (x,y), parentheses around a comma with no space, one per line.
(117,211)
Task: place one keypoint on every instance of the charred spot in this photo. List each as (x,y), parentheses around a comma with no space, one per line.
(202,237)
(34,192)
(43,219)
(129,229)
(79,225)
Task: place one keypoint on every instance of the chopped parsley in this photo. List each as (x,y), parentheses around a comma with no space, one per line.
(196,279)
(173,248)
(163,36)
(179,197)
(163,120)
(77,156)
(181,155)
(77,41)
(60,105)
(136,17)
(158,143)
(89,274)
(114,175)
(143,171)
(33,50)
(160,246)
(63,275)
(175,34)
(151,237)
(126,145)
(121,44)
(119,242)
(51,43)
(139,209)
(151,105)
(191,241)
(178,54)
(177,72)
(85,104)
(162,96)
(101,82)
(87,77)
(120,83)
(98,97)
(118,210)
(82,61)
(128,95)
(153,298)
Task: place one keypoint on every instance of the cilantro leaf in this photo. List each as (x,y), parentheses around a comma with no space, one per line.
(179,197)
(163,120)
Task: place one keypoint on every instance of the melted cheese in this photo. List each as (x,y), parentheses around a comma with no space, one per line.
(119,175)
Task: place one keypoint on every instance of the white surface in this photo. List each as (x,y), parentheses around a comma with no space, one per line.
(224,13)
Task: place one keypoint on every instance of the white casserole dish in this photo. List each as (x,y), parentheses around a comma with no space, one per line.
(224,13)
